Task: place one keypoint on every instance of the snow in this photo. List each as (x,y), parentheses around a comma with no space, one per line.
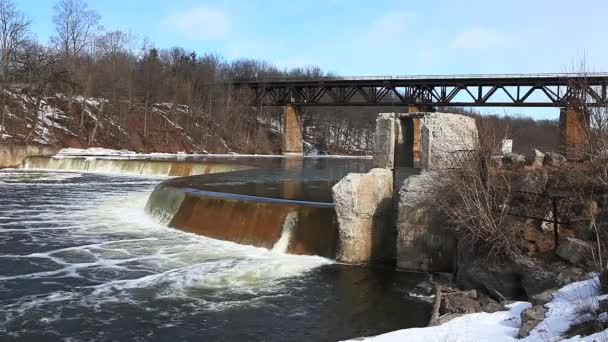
(571,304)
(94,151)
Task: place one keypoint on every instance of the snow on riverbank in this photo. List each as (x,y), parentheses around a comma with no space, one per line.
(568,307)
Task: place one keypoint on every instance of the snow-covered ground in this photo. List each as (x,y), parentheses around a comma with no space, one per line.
(569,306)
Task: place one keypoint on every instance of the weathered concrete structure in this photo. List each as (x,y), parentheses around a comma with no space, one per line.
(293,141)
(363,205)
(405,144)
(574,130)
(13,155)
(423,243)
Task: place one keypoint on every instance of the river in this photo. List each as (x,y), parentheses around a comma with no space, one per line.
(80,260)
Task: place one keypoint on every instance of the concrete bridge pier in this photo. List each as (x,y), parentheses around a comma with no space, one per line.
(574,129)
(293,141)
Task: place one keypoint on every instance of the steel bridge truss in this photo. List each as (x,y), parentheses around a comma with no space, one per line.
(555,90)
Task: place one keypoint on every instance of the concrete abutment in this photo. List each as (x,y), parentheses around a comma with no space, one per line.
(293,137)
(574,130)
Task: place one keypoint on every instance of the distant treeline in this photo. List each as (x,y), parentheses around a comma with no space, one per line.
(85,59)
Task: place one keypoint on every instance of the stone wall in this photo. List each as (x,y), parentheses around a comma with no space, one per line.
(363,205)
(13,155)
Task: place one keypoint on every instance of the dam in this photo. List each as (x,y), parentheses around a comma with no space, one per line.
(84,258)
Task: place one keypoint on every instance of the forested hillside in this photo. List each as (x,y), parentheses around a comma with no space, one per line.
(91,86)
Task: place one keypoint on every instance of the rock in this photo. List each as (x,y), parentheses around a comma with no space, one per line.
(529,320)
(537,277)
(513,159)
(604,280)
(574,250)
(474,273)
(424,243)
(458,303)
(496,161)
(543,297)
(363,205)
(535,158)
(506,146)
(492,307)
(603,305)
(554,159)
(489,305)
(533,181)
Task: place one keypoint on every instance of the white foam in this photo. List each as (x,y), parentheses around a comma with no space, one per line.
(107,231)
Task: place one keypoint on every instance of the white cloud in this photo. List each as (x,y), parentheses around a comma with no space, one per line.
(480,38)
(200,23)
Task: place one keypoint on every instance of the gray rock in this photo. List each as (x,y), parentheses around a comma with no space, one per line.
(364,211)
(513,159)
(535,158)
(554,159)
(603,305)
(533,181)
(604,280)
(458,303)
(530,319)
(496,161)
(574,250)
(543,297)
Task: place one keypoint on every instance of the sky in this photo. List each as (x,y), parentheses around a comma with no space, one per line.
(366,38)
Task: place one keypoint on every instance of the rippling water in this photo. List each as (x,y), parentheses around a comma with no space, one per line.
(80,260)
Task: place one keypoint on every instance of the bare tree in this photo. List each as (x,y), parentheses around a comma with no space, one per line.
(75,26)
(14,33)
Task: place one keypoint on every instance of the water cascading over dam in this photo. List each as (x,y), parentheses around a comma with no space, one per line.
(287,207)
(129,166)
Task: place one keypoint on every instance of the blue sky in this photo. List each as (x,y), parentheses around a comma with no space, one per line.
(369,37)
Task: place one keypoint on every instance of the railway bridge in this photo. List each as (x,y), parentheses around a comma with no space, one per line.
(573,93)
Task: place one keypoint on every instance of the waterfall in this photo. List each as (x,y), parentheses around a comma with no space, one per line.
(127,166)
(291,220)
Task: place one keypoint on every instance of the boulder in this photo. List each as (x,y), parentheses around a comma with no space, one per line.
(363,205)
(513,159)
(533,181)
(554,159)
(530,318)
(459,303)
(574,250)
(535,158)
(603,305)
(506,146)
(604,280)
(543,297)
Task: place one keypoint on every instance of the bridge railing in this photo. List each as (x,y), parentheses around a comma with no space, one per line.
(429,77)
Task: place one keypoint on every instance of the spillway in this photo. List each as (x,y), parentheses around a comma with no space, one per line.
(149,167)
(254,207)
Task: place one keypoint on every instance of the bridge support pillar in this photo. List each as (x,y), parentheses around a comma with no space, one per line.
(293,142)
(574,129)
(412,129)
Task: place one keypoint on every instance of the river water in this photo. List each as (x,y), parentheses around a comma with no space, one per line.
(80,260)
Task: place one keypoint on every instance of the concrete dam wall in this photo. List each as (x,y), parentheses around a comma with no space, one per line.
(13,155)
(286,226)
(129,166)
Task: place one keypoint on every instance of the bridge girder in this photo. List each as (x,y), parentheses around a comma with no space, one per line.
(557,90)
